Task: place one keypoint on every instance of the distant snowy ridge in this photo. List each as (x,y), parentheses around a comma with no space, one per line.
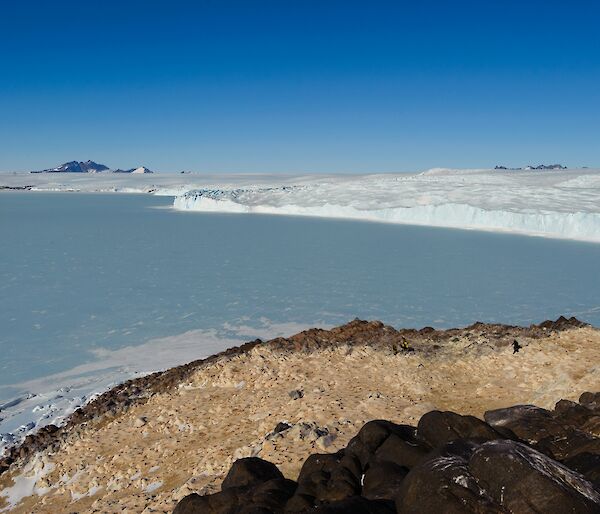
(565,206)
(76,167)
(90,167)
(134,171)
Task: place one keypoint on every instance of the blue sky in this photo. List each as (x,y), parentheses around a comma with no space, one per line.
(299,86)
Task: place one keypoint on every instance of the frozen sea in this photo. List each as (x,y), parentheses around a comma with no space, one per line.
(97,288)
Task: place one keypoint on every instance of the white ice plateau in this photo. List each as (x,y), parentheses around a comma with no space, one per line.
(563,204)
(552,203)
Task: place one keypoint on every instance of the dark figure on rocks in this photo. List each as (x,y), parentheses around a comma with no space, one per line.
(516,346)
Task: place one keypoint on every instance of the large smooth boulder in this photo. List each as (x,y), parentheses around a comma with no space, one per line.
(250,471)
(383,441)
(406,450)
(437,428)
(444,484)
(528,422)
(369,438)
(327,478)
(560,434)
(526,481)
(268,497)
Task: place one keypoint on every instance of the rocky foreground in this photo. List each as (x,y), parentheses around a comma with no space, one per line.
(522,460)
(152,442)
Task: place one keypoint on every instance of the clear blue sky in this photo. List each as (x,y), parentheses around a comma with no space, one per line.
(299,86)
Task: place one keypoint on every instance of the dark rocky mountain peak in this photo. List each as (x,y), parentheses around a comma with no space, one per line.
(76,167)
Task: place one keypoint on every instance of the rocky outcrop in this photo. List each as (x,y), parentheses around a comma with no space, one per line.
(91,167)
(76,167)
(355,334)
(520,460)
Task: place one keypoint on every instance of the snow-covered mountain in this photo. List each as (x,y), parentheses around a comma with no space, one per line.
(137,171)
(76,167)
(141,169)
(90,167)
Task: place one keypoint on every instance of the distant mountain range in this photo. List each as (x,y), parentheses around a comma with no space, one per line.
(538,167)
(90,167)
(141,169)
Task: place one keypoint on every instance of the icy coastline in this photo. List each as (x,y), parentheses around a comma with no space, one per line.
(582,226)
(553,204)
(29,406)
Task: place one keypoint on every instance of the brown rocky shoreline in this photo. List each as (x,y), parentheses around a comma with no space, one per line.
(319,364)
(138,390)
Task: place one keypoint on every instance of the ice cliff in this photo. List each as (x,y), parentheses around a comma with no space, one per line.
(563,204)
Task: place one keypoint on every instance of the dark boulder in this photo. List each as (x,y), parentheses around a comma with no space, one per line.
(368,439)
(382,440)
(573,414)
(525,481)
(225,502)
(406,451)
(315,474)
(382,481)
(193,504)
(328,478)
(356,505)
(527,422)
(281,427)
(437,428)
(299,503)
(250,471)
(462,448)
(554,433)
(592,426)
(591,401)
(586,464)
(524,460)
(273,494)
(373,433)
(268,497)
(569,445)
(444,485)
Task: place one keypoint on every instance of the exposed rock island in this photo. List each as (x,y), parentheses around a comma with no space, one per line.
(288,426)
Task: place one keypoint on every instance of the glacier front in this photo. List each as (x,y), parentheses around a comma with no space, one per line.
(551,203)
(558,204)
